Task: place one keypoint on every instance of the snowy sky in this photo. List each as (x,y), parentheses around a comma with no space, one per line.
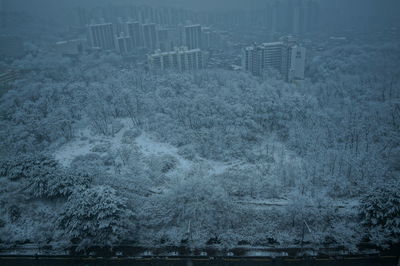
(378,5)
(375,9)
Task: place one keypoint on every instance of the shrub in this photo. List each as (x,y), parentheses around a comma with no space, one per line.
(130,136)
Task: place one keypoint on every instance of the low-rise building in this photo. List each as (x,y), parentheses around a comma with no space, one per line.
(70,47)
(180,59)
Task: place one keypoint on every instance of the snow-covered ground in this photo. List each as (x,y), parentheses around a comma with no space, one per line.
(149,146)
(80,146)
(86,140)
(346,204)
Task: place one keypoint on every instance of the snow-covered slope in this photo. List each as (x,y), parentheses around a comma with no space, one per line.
(87,141)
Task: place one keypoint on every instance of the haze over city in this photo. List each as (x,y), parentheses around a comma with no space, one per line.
(185,132)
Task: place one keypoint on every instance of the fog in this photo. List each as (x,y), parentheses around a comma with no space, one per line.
(370,11)
(200,130)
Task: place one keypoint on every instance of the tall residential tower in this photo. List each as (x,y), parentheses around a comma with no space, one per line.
(193,37)
(101,36)
(286,56)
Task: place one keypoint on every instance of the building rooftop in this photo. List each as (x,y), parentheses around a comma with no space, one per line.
(177,49)
(194,25)
(99,24)
(272,43)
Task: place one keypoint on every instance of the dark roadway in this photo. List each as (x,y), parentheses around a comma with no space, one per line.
(67,261)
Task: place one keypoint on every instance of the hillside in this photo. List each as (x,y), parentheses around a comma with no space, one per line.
(94,152)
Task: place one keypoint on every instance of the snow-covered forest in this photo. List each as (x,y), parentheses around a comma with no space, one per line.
(95,152)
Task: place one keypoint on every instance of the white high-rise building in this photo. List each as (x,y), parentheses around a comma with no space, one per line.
(180,59)
(206,38)
(135,32)
(193,37)
(164,40)
(251,60)
(296,63)
(150,36)
(101,36)
(256,59)
(123,43)
(286,57)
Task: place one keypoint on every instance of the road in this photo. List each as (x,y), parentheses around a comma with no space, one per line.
(68,261)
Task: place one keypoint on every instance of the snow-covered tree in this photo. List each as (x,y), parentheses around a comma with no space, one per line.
(28,165)
(380,212)
(197,204)
(58,183)
(42,176)
(96,217)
